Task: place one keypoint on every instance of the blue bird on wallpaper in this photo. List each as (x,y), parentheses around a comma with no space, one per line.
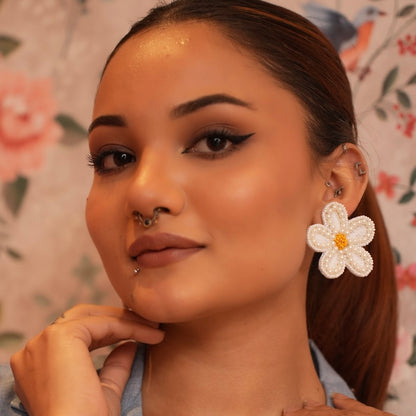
(350,39)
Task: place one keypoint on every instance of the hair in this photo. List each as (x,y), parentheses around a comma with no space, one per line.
(352,320)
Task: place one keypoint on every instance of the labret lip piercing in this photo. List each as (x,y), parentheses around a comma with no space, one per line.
(147,222)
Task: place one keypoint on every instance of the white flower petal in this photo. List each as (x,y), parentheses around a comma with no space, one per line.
(332,263)
(319,238)
(335,216)
(358,261)
(360,231)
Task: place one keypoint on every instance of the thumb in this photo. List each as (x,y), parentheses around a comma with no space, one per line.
(116,372)
(343,402)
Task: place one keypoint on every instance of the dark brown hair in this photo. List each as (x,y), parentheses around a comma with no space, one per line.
(353,320)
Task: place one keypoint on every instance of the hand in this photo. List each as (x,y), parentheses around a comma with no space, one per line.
(55,375)
(344,406)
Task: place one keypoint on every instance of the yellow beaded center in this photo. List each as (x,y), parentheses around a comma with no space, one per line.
(341,241)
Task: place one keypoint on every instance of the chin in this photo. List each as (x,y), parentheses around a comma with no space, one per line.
(164,307)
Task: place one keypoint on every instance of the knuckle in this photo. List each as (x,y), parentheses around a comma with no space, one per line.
(48,333)
(15,360)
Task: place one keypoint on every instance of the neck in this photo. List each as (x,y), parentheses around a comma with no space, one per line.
(252,362)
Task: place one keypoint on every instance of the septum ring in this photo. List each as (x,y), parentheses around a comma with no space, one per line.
(147,222)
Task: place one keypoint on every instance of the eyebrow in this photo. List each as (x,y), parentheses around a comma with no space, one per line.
(178,111)
(108,120)
(195,105)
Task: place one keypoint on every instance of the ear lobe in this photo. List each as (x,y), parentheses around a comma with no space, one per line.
(346,172)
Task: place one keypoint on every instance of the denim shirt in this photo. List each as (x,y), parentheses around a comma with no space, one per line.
(131,403)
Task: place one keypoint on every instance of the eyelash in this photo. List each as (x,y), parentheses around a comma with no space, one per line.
(97,160)
(222,134)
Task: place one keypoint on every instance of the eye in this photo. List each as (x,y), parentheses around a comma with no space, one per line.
(110,160)
(216,143)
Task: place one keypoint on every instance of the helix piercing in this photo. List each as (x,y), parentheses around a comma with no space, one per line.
(361,172)
(344,148)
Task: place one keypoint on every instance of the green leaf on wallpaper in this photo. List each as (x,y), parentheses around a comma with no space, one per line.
(412,80)
(397,256)
(42,300)
(407,197)
(74,132)
(381,113)
(97,297)
(10,339)
(8,44)
(14,193)
(412,359)
(13,253)
(390,395)
(406,10)
(390,80)
(86,270)
(403,99)
(413,177)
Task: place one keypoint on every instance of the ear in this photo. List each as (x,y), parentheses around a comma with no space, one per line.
(346,173)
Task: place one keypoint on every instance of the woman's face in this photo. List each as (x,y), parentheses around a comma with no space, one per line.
(186,121)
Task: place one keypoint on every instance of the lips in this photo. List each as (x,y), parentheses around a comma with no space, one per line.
(161,249)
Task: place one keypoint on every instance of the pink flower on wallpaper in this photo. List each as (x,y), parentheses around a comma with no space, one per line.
(386,184)
(406,277)
(407,45)
(406,124)
(404,346)
(27,123)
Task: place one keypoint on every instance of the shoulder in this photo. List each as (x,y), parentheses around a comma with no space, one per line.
(9,403)
(331,381)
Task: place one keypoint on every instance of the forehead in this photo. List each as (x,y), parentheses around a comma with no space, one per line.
(193,51)
(162,67)
(174,39)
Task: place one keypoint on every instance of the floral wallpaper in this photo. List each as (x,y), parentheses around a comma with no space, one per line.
(51,55)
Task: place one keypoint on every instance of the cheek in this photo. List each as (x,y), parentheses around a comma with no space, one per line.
(260,195)
(94,216)
(103,217)
(261,217)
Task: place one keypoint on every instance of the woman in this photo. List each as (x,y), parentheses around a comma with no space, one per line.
(221,132)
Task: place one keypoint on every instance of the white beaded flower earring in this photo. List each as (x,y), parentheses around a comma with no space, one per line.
(341,240)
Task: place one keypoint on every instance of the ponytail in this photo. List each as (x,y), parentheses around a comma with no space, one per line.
(353,320)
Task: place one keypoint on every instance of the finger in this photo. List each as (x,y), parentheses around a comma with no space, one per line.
(84,310)
(117,367)
(312,409)
(343,402)
(101,331)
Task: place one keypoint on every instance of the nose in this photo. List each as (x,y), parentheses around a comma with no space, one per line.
(154,185)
